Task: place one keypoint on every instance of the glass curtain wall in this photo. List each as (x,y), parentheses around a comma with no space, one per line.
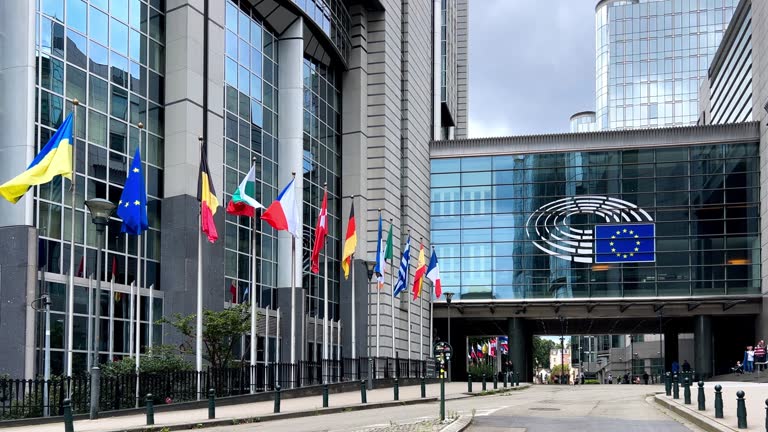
(704,201)
(111,58)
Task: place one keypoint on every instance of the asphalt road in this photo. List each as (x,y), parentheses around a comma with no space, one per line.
(539,409)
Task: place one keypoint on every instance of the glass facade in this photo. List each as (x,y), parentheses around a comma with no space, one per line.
(332,17)
(584,122)
(111,58)
(250,133)
(731,83)
(703,200)
(651,57)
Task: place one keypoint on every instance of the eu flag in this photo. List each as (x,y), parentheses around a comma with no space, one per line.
(132,207)
(625,243)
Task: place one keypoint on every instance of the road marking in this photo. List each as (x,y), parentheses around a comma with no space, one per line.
(485,412)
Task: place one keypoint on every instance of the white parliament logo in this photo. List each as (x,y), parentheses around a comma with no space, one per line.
(549,230)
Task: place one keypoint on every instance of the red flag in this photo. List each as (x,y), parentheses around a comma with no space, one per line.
(233,291)
(114,268)
(320,233)
(80,268)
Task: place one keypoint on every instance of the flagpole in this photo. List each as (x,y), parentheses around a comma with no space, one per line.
(293,295)
(410,347)
(130,321)
(71,278)
(199,312)
(421,323)
(278,359)
(266,344)
(354,344)
(150,329)
(111,319)
(326,342)
(251,295)
(139,250)
(89,362)
(392,292)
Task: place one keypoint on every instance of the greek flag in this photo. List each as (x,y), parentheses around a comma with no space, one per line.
(402,274)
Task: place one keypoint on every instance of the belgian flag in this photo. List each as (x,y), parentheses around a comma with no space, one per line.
(207,196)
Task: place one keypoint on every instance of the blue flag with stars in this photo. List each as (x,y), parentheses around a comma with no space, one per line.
(625,243)
(132,207)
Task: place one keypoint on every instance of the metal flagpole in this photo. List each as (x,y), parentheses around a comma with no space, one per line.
(89,363)
(71,278)
(199,312)
(47,354)
(138,333)
(392,294)
(150,329)
(354,345)
(326,342)
(266,346)
(421,322)
(130,321)
(251,296)
(293,299)
(410,347)
(111,319)
(277,348)
(378,316)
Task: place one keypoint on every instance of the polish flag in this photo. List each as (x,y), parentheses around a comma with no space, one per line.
(283,214)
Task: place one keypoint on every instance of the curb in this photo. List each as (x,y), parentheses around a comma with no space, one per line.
(272,417)
(459,425)
(692,416)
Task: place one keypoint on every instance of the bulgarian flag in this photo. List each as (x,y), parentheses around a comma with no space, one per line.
(207,196)
(283,214)
(243,202)
(421,270)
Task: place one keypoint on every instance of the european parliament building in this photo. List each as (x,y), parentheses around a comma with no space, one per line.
(343,92)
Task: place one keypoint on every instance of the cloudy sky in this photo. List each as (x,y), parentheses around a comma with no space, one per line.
(531,65)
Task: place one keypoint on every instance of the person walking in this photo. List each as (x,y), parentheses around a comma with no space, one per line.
(760,355)
(749,365)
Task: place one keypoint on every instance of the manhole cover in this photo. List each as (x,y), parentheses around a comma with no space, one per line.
(544,409)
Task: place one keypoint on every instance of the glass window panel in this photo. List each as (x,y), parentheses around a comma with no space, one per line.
(99,25)
(118,37)
(77,13)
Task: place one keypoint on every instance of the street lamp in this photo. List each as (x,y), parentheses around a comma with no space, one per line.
(562,348)
(370,265)
(45,300)
(101,210)
(448,298)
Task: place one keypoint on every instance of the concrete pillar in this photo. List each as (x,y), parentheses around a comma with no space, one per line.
(671,350)
(702,341)
(17,106)
(290,132)
(520,344)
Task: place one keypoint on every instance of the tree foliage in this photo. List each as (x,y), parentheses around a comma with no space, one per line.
(541,349)
(221,332)
(162,358)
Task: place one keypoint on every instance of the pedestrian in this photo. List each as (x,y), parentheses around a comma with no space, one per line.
(675,367)
(610,378)
(686,366)
(760,355)
(645,377)
(749,365)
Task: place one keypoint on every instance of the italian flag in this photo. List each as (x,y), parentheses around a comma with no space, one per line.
(243,202)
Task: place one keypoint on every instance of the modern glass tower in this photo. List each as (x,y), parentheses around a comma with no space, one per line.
(651,56)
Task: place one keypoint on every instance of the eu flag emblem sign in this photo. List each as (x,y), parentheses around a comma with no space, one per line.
(625,243)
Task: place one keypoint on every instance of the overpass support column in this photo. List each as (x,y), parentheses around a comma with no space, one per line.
(671,351)
(520,347)
(702,340)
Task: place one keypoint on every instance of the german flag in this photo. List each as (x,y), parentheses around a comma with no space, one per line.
(207,197)
(350,243)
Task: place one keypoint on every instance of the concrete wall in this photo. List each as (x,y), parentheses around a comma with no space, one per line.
(462,65)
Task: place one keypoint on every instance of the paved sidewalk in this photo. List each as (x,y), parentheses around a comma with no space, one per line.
(755,397)
(309,405)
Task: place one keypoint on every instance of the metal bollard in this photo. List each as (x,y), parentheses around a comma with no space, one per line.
(277,399)
(483,382)
(442,398)
(397,390)
(423,387)
(495,381)
(211,404)
(469,384)
(505,379)
(675,387)
(68,425)
(150,410)
(363,397)
(668,383)
(325,395)
(701,398)
(687,391)
(718,401)
(741,410)
(766,415)
(517,379)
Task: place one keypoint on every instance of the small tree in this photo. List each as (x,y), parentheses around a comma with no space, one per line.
(162,358)
(221,332)
(559,370)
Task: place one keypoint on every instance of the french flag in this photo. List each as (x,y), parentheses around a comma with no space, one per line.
(283,214)
(433,273)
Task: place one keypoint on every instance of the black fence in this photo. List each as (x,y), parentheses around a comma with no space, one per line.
(38,398)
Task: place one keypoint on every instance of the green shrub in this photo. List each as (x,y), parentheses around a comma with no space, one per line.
(477,371)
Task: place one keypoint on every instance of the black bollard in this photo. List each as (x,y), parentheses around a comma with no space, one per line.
(517,379)
(741,410)
(766,415)
(495,381)
(505,379)
(469,384)
(675,387)
(211,404)
(442,398)
(325,395)
(277,399)
(397,390)
(702,401)
(150,410)
(363,397)
(687,390)
(423,387)
(483,382)
(68,425)
(668,383)
(718,401)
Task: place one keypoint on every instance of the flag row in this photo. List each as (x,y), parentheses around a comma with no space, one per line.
(489,348)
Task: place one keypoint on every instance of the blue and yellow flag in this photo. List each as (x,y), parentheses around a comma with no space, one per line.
(54,159)
(625,243)
(132,207)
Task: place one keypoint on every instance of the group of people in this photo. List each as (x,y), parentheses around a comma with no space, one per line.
(753,355)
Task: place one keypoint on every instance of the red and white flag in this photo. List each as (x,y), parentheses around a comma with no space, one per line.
(320,233)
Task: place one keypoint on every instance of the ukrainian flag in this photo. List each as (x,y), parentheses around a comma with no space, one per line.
(54,159)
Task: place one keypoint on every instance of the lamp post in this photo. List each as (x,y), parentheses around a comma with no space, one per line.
(45,300)
(448,298)
(562,348)
(370,265)
(101,210)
